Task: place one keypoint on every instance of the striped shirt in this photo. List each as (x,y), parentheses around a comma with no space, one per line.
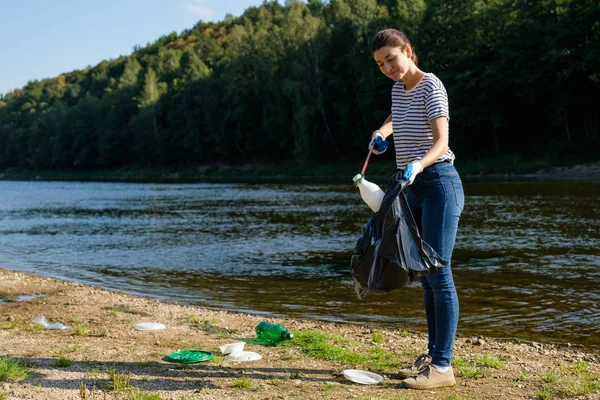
(412,111)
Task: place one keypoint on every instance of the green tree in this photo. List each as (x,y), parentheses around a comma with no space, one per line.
(145,124)
(115,140)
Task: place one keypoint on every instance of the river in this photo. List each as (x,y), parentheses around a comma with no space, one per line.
(526,262)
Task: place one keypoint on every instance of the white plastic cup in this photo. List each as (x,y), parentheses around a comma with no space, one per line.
(232,348)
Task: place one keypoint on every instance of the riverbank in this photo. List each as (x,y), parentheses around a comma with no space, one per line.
(379,170)
(104,357)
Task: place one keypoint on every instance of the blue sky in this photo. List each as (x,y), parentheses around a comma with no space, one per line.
(43,38)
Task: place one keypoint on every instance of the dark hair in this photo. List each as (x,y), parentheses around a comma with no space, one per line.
(393,38)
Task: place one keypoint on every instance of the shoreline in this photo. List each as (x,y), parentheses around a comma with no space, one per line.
(103,340)
(257,173)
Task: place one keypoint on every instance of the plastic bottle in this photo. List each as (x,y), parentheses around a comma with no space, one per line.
(272,333)
(370,192)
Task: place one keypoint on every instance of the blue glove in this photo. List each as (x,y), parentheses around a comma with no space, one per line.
(411,171)
(378,143)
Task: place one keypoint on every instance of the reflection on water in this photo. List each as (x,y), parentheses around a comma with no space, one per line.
(526,263)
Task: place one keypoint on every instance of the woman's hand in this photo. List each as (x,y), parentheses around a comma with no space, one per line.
(411,171)
(378,143)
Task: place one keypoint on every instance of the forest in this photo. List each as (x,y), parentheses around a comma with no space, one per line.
(296,82)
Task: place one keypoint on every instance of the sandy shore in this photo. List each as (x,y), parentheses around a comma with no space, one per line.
(104,347)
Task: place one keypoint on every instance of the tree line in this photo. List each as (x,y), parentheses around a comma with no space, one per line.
(297,81)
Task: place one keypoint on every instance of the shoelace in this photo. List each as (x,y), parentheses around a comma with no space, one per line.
(422,360)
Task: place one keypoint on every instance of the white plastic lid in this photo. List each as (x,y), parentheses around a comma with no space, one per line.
(149,326)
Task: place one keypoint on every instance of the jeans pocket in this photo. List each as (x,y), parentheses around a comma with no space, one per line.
(428,177)
(459,194)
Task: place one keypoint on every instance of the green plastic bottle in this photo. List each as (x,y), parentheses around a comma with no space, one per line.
(272,333)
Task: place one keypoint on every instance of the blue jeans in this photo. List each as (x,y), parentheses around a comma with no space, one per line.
(436,200)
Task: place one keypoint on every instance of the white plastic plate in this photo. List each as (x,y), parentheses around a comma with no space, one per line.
(244,356)
(149,326)
(362,377)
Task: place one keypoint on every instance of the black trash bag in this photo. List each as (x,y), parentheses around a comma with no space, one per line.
(391,254)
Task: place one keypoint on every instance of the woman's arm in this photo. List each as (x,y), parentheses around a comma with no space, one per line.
(439,126)
(386,128)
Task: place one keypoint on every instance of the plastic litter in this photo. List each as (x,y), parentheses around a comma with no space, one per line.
(189,356)
(268,333)
(41,320)
(149,326)
(369,191)
(362,377)
(243,356)
(232,348)
(391,254)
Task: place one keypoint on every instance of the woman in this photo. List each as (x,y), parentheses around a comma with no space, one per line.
(419,122)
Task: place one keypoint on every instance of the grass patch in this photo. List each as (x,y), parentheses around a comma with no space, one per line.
(327,386)
(241,383)
(544,394)
(140,395)
(275,382)
(36,327)
(218,359)
(470,372)
(476,368)
(80,330)
(71,349)
(489,361)
(12,370)
(576,386)
(83,392)
(193,319)
(522,377)
(377,337)
(3,396)
(120,382)
(10,325)
(581,367)
(567,381)
(93,373)
(63,362)
(102,332)
(345,351)
(460,362)
(549,377)
(579,388)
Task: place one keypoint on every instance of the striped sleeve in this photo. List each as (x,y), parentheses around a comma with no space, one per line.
(436,101)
